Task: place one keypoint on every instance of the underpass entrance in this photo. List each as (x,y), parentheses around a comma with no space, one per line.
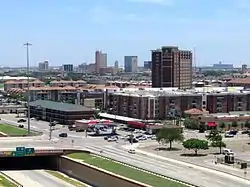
(29,162)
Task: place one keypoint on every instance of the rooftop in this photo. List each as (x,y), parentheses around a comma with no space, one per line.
(66,107)
(155,92)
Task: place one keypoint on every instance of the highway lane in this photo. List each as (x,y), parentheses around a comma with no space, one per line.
(36,178)
(189,174)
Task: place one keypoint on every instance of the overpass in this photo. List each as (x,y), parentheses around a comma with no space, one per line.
(23,158)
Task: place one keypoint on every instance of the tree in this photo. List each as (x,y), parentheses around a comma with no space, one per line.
(234,124)
(169,135)
(191,124)
(222,125)
(247,124)
(195,144)
(216,139)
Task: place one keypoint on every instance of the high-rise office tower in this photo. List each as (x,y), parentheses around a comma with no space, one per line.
(116,64)
(97,61)
(43,66)
(104,60)
(130,64)
(171,67)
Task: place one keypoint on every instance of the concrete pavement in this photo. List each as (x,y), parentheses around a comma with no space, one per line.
(36,178)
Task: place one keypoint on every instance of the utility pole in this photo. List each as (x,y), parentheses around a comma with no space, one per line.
(51,124)
(28,81)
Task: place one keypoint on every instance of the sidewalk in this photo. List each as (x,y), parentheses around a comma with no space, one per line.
(207,166)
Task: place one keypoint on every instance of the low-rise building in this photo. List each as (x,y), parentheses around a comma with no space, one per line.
(160,103)
(22,84)
(64,113)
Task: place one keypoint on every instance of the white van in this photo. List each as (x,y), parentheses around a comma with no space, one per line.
(227,152)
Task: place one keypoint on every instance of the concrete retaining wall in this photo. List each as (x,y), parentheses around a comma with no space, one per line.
(94,176)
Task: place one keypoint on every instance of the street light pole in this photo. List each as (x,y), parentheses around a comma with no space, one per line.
(28,81)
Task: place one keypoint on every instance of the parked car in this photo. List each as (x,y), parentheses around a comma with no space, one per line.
(20,126)
(234,132)
(132,151)
(227,151)
(228,135)
(112,139)
(153,137)
(141,138)
(63,135)
(21,120)
(245,132)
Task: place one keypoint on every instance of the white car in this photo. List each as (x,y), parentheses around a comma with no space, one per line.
(227,152)
(132,151)
(228,135)
(142,138)
(112,139)
(153,137)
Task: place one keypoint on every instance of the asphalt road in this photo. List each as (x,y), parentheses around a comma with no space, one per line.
(36,178)
(203,178)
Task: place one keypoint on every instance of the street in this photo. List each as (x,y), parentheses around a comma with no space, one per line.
(37,178)
(203,177)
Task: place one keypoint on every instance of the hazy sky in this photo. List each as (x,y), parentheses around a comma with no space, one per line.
(69,31)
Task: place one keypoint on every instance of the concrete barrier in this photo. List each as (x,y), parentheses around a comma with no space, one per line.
(94,176)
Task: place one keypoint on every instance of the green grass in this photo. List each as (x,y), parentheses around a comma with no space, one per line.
(5,182)
(65,178)
(125,171)
(12,130)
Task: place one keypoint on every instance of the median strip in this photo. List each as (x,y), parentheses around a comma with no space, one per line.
(66,178)
(126,171)
(11,130)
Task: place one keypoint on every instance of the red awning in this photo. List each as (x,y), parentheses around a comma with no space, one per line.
(92,122)
(211,124)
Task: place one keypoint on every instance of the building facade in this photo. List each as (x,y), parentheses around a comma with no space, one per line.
(64,113)
(150,103)
(147,65)
(171,67)
(130,64)
(43,66)
(68,68)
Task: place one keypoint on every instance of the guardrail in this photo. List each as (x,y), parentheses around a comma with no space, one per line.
(11,179)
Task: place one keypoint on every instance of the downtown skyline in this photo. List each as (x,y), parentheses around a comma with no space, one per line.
(70,31)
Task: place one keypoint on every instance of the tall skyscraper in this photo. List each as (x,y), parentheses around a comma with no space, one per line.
(104,60)
(171,67)
(101,60)
(97,61)
(43,66)
(130,64)
(116,64)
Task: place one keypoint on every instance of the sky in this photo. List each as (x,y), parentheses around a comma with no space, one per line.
(69,31)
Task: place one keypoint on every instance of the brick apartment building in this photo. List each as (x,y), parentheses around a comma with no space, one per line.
(145,104)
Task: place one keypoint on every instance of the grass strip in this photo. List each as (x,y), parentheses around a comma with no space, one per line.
(5,182)
(125,171)
(65,178)
(12,130)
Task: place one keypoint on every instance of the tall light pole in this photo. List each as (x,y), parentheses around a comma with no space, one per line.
(28,81)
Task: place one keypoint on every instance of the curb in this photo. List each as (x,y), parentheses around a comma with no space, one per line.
(146,171)
(11,179)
